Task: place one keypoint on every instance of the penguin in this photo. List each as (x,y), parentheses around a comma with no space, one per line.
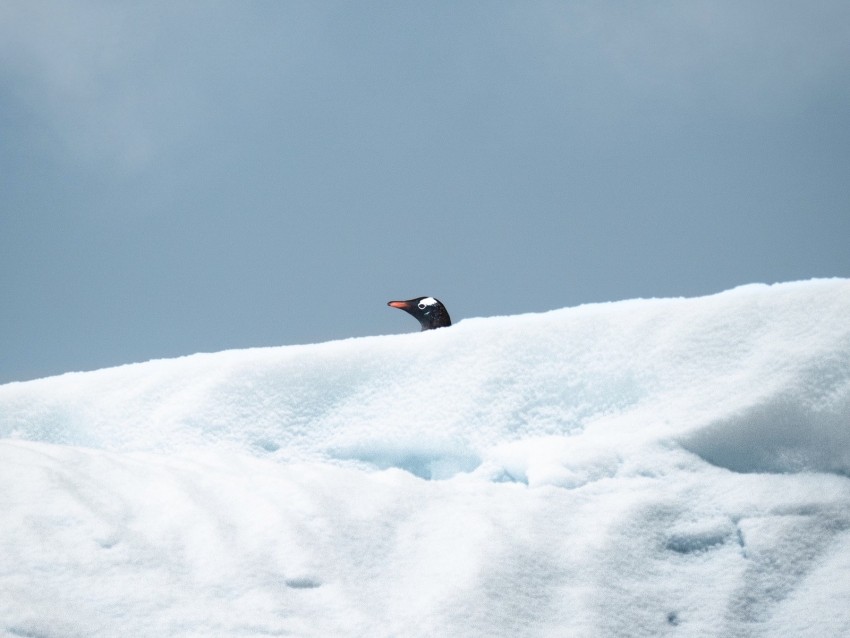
(429,311)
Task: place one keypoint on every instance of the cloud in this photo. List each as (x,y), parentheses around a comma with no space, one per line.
(109,83)
(124,83)
(68,66)
(753,58)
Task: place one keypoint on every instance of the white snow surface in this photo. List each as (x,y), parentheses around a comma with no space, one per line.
(665,467)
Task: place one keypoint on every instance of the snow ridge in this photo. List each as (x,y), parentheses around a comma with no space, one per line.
(638,468)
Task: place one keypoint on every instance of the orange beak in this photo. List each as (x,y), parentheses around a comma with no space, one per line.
(398,304)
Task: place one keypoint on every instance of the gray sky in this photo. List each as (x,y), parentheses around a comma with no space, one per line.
(179,177)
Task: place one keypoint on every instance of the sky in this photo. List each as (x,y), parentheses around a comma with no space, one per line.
(178,177)
(667,468)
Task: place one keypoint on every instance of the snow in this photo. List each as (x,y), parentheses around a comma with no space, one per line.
(664,467)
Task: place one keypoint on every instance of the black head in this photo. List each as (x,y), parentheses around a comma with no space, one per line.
(429,311)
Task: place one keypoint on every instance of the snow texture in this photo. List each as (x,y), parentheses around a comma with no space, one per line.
(666,467)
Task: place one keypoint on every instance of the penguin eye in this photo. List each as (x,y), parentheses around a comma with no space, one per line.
(426,302)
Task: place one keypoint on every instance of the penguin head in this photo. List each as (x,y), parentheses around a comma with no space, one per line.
(429,311)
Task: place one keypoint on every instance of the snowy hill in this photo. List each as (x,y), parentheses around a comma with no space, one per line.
(643,468)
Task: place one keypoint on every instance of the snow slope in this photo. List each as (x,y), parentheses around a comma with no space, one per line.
(658,467)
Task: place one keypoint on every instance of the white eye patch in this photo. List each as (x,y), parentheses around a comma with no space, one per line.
(428,301)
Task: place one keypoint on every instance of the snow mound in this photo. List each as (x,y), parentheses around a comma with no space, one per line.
(640,468)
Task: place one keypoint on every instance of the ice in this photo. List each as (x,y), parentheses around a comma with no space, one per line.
(640,468)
